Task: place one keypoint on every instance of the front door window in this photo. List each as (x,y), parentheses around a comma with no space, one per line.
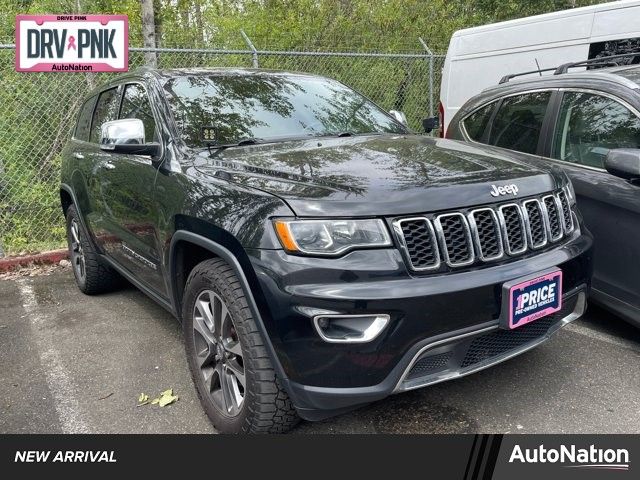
(589,125)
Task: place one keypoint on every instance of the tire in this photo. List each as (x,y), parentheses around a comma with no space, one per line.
(225,348)
(92,277)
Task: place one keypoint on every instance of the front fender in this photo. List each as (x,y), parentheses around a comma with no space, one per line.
(250,288)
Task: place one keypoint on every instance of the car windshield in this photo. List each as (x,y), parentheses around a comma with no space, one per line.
(228,109)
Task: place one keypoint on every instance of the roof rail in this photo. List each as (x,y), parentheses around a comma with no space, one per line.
(566,66)
(594,61)
(506,78)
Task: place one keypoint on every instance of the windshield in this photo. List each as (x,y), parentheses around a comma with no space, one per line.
(226,109)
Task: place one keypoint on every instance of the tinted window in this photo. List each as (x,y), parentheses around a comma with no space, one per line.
(518,123)
(135,104)
(229,108)
(84,120)
(589,125)
(106,110)
(476,123)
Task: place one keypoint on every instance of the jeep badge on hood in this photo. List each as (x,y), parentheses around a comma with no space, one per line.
(504,190)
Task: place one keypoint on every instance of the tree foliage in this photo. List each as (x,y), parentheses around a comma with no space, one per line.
(383,25)
(37,110)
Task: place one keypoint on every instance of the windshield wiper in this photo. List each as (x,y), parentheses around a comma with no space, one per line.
(346,133)
(240,143)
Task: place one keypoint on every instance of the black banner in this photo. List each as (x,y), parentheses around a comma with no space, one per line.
(460,457)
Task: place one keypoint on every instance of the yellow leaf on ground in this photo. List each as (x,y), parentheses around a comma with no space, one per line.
(167,400)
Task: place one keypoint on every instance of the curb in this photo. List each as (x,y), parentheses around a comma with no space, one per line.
(44,258)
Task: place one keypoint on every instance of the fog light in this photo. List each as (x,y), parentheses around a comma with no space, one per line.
(350,328)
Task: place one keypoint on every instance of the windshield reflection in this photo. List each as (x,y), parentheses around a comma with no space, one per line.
(269,106)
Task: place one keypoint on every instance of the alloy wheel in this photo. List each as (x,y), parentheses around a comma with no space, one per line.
(219,354)
(77,254)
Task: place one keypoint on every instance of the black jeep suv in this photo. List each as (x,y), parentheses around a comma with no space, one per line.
(318,254)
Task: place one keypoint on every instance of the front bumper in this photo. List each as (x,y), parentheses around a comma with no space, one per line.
(468,352)
(435,320)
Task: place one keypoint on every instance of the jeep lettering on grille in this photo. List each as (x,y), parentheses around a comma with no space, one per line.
(497,191)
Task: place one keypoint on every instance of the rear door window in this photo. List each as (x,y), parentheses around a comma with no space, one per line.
(589,125)
(476,123)
(106,110)
(518,122)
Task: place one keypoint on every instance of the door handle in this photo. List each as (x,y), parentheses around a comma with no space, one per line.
(78,155)
(108,165)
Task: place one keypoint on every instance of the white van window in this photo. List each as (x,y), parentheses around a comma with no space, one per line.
(518,122)
(590,125)
(476,123)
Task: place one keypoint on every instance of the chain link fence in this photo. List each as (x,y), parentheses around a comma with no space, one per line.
(38,111)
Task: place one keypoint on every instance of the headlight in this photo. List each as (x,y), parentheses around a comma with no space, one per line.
(330,237)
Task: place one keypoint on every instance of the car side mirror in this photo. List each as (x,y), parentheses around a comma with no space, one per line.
(400,117)
(127,136)
(430,124)
(623,163)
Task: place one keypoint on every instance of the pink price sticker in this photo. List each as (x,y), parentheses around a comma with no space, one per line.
(72,43)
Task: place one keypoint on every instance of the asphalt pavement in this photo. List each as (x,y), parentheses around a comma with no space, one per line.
(71,363)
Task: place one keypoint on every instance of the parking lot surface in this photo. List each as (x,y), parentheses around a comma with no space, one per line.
(77,364)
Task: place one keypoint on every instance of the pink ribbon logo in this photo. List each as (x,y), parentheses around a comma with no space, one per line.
(72,43)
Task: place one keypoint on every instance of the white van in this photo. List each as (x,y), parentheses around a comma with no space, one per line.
(479,57)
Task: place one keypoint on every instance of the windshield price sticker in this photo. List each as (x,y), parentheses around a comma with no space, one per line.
(72,43)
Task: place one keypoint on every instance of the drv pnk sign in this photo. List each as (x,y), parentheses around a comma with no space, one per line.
(72,43)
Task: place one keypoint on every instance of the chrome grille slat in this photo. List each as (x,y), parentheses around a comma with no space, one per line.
(535,221)
(487,236)
(554,225)
(484,234)
(419,242)
(567,216)
(513,228)
(455,237)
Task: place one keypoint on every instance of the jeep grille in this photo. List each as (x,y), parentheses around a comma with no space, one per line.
(484,234)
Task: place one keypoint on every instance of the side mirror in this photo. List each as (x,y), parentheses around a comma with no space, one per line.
(431,123)
(623,163)
(126,136)
(400,117)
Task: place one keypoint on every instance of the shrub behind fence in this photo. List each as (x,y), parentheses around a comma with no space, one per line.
(38,110)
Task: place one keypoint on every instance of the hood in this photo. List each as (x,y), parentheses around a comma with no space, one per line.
(378,175)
